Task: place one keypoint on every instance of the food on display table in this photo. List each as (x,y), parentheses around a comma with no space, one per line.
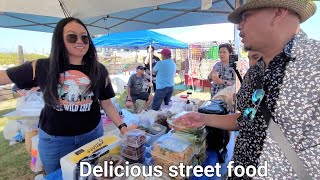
(134,138)
(116,161)
(169,150)
(162,119)
(181,126)
(132,152)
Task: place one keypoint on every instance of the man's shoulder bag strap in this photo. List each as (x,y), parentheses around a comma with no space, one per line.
(282,141)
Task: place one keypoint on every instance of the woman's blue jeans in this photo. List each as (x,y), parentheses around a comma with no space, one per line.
(53,148)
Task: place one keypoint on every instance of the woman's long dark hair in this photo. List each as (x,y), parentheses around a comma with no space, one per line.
(59,63)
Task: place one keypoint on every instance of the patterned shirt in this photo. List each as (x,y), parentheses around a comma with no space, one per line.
(292,86)
(225,73)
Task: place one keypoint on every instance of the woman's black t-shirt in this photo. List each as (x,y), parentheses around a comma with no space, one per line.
(78,112)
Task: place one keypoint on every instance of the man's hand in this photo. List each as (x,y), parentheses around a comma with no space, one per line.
(193,120)
(150,84)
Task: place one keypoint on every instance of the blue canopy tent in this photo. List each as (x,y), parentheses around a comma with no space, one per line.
(108,16)
(138,40)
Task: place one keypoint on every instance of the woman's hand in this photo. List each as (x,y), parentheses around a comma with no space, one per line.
(126,129)
(193,120)
(217,80)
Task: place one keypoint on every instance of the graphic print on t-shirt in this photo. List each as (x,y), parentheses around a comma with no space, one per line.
(74,94)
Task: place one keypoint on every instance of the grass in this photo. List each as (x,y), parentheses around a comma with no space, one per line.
(15,159)
(13,58)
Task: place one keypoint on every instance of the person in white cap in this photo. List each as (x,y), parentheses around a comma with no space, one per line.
(281,93)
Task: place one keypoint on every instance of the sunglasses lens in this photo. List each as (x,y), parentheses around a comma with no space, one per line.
(85,39)
(71,38)
(249,114)
(257,96)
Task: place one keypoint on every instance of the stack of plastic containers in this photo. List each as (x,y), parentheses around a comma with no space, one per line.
(169,150)
(197,137)
(133,147)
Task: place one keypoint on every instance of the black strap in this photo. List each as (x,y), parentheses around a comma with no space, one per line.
(263,105)
(281,139)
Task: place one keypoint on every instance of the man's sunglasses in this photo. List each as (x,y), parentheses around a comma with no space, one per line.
(73,38)
(250,113)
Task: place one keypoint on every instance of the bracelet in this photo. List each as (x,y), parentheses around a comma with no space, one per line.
(122,125)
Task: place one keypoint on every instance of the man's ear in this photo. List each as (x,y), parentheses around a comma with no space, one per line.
(280,14)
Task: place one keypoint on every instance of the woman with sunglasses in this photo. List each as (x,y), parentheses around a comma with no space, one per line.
(222,74)
(74,85)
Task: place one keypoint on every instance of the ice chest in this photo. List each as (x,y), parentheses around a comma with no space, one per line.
(91,152)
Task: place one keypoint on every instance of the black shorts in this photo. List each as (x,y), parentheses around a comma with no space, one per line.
(142,96)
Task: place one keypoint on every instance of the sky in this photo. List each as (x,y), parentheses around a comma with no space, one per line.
(39,42)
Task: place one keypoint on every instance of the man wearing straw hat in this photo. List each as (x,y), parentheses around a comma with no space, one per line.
(279,119)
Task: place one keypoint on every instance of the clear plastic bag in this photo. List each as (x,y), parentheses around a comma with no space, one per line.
(30,105)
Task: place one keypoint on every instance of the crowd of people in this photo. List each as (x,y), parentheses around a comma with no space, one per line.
(281,87)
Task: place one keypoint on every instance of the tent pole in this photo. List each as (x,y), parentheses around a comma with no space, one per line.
(150,66)
(189,70)
(238,51)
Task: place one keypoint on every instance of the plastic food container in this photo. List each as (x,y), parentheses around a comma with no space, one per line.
(132,152)
(201,157)
(169,148)
(116,160)
(179,126)
(134,138)
(153,132)
(196,138)
(145,169)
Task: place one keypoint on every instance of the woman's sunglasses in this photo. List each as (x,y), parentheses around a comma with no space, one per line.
(73,38)
(250,113)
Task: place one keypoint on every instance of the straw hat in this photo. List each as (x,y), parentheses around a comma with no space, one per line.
(305,8)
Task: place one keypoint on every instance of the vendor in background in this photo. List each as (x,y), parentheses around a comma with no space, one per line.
(182,71)
(222,74)
(253,57)
(154,60)
(71,74)
(165,70)
(138,87)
